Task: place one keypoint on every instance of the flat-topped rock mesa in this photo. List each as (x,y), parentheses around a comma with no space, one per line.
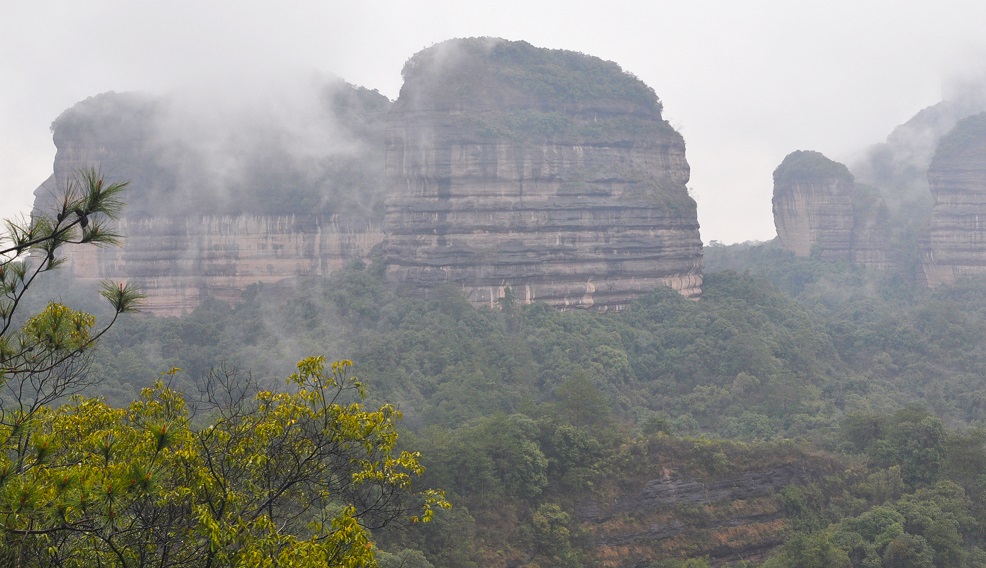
(549,173)
(957,230)
(219,202)
(820,210)
(503,166)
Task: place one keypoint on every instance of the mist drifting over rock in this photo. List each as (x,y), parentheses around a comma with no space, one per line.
(536,174)
(503,167)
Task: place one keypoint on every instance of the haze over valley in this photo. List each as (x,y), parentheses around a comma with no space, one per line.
(666,286)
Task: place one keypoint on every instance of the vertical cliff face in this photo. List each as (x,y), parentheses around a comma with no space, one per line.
(812,205)
(548,173)
(179,262)
(315,152)
(897,170)
(889,199)
(551,174)
(819,210)
(217,204)
(957,229)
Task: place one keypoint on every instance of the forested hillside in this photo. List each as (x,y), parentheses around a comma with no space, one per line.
(802,413)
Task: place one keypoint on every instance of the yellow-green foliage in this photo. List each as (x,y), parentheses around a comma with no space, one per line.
(282,479)
(43,351)
(60,327)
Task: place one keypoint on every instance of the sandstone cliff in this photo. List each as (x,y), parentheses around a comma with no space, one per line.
(812,205)
(886,209)
(179,262)
(217,203)
(957,229)
(551,174)
(897,172)
(818,209)
(548,173)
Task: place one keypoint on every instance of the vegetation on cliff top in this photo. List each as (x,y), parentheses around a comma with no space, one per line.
(808,165)
(538,127)
(969,134)
(463,71)
(324,155)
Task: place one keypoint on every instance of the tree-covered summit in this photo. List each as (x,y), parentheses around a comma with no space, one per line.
(968,135)
(514,73)
(808,165)
(310,147)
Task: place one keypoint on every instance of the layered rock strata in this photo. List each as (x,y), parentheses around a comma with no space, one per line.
(178,263)
(819,210)
(812,205)
(512,171)
(216,204)
(956,243)
(546,175)
(651,520)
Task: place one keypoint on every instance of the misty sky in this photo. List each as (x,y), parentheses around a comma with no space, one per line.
(745,82)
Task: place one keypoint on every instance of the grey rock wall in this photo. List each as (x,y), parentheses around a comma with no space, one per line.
(546,197)
(957,230)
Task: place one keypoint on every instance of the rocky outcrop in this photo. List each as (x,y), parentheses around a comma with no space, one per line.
(896,175)
(218,203)
(323,155)
(819,210)
(890,199)
(812,205)
(676,505)
(956,243)
(747,522)
(510,170)
(179,262)
(548,174)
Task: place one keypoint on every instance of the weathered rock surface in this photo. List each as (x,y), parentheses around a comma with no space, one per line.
(890,199)
(181,262)
(812,205)
(957,229)
(818,209)
(548,173)
(218,205)
(895,174)
(672,510)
